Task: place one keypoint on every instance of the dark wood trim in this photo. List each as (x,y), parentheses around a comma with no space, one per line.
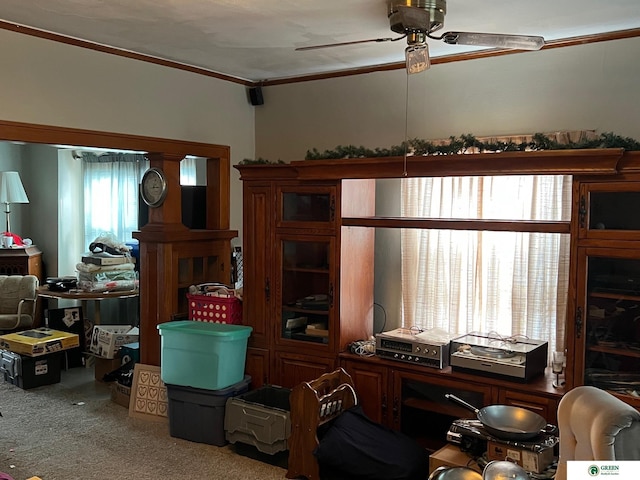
(565,42)
(76,42)
(459,224)
(549,162)
(162,242)
(52,135)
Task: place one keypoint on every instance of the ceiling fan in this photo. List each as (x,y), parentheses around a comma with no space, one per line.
(417,20)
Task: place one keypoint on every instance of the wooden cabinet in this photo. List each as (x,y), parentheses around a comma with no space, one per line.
(21,261)
(411,398)
(372,385)
(604,336)
(544,405)
(299,263)
(173,257)
(308,233)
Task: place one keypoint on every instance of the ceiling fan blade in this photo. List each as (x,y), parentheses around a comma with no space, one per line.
(341,44)
(519,42)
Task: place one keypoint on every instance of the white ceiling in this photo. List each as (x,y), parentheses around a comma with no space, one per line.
(255,40)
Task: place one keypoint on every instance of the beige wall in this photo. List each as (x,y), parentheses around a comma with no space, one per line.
(49,83)
(584,87)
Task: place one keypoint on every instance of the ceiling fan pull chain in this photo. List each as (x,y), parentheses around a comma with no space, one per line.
(406,129)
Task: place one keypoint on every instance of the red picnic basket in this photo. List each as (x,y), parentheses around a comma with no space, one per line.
(214,303)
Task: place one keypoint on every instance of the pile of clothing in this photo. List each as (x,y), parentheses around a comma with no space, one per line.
(108,266)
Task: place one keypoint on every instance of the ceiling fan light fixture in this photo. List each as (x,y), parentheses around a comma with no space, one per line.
(518,42)
(416,15)
(417,58)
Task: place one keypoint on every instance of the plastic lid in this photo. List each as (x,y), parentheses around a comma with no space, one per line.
(206,328)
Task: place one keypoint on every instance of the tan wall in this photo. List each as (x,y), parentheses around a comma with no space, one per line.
(50,83)
(583,87)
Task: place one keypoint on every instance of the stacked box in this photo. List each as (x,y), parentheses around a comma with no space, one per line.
(198,414)
(260,418)
(130,353)
(104,366)
(39,341)
(30,372)
(202,355)
(120,394)
(106,340)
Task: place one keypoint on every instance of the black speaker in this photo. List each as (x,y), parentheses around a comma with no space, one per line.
(255,95)
(194,207)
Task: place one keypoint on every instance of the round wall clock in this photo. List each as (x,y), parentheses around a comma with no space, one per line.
(153,187)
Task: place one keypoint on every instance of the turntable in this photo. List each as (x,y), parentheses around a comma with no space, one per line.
(515,358)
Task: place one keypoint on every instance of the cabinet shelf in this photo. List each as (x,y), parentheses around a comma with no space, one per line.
(307,270)
(460,224)
(621,351)
(304,310)
(430,406)
(614,296)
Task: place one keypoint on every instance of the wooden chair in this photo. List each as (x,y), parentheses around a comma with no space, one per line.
(18,295)
(312,405)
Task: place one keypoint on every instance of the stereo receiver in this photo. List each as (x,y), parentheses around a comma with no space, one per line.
(411,346)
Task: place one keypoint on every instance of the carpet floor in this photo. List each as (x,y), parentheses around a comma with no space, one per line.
(73,431)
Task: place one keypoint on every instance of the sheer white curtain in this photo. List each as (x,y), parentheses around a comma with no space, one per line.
(505,282)
(111,183)
(188,171)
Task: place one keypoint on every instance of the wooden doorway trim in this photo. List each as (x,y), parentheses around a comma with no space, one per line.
(218,156)
(159,279)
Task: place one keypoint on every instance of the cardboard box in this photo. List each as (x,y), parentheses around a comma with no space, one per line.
(531,461)
(105,365)
(451,456)
(106,340)
(39,341)
(120,394)
(130,352)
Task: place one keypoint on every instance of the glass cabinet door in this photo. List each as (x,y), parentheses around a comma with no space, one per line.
(306,207)
(305,289)
(608,210)
(612,319)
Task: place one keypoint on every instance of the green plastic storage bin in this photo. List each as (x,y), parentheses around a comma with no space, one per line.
(202,354)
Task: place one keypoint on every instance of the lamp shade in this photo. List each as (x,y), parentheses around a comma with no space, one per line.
(11,189)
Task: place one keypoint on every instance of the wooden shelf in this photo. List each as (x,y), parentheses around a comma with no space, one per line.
(614,296)
(429,406)
(460,224)
(621,351)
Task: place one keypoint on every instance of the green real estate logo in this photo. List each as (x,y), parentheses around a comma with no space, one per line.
(605,469)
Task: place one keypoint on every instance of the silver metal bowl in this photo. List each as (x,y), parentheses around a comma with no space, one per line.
(454,473)
(504,470)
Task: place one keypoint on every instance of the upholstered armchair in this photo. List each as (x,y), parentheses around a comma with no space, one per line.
(596,425)
(18,295)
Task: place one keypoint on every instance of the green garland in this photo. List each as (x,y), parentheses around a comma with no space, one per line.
(462,144)
(259,161)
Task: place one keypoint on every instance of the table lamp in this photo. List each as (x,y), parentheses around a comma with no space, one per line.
(11,191)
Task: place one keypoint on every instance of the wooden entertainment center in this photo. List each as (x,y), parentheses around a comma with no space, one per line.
(309,252)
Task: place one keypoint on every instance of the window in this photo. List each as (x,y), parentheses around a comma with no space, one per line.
(509,282)
(111,185)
